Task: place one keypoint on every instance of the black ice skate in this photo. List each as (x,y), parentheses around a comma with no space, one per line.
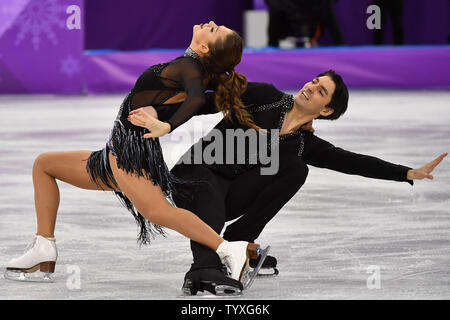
(211,280)
(268,268)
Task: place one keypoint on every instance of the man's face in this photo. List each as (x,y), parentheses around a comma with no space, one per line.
(315,95)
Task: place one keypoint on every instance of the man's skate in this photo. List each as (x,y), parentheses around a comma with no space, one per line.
(236,255)
(36,265)
(268,268)
(211,280)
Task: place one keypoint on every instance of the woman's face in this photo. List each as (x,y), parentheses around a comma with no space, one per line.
(206,33)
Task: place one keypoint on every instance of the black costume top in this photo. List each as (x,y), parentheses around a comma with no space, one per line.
(142,156)
(268,107)
(160,82)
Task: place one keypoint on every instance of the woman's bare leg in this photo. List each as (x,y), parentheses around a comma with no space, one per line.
(67,166)
(149,200)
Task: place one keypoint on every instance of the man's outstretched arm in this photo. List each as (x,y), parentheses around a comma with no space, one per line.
(425,171)
(323,154)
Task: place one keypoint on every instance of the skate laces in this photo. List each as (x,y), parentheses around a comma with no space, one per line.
(31,245)
(224,269)
(230,264)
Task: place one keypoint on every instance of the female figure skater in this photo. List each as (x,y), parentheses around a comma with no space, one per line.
(133,167)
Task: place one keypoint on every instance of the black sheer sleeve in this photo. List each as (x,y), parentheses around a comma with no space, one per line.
(190,75)
(322,154)
(210,106)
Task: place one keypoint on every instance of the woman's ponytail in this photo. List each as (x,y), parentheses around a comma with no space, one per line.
(230,87)
(219,65)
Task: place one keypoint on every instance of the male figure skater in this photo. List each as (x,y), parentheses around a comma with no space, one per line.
(240,190)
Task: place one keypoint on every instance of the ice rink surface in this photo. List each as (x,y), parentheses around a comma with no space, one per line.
(340,237)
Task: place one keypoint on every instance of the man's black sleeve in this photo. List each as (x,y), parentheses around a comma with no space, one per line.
(256,94)
(322,154)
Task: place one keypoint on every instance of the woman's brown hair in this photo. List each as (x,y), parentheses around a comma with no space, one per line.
(219,65)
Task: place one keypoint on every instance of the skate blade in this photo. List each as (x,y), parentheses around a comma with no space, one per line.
(263,273)
(222,292)
(37,276)
(213,290)
(250,275)
(227,291)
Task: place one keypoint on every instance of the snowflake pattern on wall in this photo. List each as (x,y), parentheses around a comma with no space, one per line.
(70,66)
(40,18)
(8,12)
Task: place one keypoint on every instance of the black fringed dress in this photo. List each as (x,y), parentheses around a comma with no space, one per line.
(142,156)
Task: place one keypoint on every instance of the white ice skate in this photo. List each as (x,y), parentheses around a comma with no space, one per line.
(37,264)
(235,255)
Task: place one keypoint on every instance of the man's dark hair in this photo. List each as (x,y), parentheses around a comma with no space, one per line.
(339,100)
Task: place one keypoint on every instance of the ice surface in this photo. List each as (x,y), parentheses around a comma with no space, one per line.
(331,240)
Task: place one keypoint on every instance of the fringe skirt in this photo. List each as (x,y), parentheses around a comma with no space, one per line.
(144,158)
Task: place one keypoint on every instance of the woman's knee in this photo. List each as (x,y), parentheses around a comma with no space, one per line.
(42,162)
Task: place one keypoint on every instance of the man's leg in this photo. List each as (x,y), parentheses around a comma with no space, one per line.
(259,198)
(208,203)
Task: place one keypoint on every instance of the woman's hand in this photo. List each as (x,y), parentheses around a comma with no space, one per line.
(308,127)
(425,171)
(142,118)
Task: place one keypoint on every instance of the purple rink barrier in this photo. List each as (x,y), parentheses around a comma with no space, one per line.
(411,67)
(118,71)
(42,41)
(361,67)
(41,46)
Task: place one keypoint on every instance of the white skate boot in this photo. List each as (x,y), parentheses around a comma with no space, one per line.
(37,264)
(236,254)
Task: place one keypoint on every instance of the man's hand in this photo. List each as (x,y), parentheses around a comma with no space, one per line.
(425,171)
(141,118)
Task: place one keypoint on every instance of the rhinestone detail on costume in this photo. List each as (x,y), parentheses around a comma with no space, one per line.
(191,53)
(286,103)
